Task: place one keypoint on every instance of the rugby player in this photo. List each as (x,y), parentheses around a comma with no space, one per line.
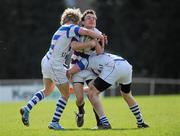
(54,73)
(88,21)
(110,69)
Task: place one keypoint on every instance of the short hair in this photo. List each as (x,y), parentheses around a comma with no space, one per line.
(88,11)
(71,14)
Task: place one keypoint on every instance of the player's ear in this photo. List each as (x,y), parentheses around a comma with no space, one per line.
(82,23)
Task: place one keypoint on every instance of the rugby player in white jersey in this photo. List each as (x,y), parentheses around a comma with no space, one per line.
(88,21)
(111,69)
(53,70)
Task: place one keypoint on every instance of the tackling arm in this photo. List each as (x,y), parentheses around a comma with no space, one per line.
(80,65)
(99,48)
(91,33)
(83,45)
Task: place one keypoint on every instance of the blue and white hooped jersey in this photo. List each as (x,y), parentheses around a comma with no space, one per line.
(60,43)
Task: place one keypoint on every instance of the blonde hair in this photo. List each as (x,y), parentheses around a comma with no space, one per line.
(71,14)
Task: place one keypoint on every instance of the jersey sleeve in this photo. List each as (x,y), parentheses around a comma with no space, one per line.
(74,31)
(82,64)
(97,31)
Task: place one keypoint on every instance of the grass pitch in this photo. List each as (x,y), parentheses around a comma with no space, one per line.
(162,113)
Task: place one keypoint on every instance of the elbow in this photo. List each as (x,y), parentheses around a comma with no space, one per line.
(84,31)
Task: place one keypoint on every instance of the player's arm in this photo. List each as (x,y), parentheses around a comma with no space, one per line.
(91,33)
(105,39)
(74,69)
(75,45)
(99,48)
(80,65)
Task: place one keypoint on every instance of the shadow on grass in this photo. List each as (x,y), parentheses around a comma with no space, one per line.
(91,129)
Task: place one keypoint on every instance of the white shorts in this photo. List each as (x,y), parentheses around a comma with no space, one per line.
(120,72)
(83,76)
(57,74)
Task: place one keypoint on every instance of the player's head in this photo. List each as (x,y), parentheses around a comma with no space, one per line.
(89,19)
(71,15)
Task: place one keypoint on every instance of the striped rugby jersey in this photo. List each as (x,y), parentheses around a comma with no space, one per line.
(60,43)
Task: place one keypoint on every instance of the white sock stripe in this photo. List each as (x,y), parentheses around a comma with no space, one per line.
(140,122)
(106,123)
(42,93)
(39,94)
(139,119)
(139,115)
(56,117)
(59,103)
(136,111)
(37,99)
(59,109)
(134,106)
(27,108)
(58,113)
(62,99)
(105,119)
(133,109)
(102,117)
(31,103)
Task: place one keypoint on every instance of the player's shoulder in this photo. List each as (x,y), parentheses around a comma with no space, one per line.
(97,31)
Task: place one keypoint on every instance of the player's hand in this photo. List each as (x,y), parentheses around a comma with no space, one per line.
(69,76)
(101,41)
(105,39)
(92,43)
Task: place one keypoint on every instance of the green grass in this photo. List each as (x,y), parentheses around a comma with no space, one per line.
(162,113)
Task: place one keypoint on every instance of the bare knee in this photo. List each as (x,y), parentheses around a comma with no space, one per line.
(65,95)
(80,100)
(48,87)
(48,91)
(126,95)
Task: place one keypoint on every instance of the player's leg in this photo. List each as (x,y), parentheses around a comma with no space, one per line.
(60,106)
(78,90)
(106,78)
(98,123)
(89,77)
(97,86)
(37,97)
(96,115)
(78,84)
(130,100)
(126,79)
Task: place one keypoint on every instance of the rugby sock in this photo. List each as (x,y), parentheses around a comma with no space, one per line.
(97,118)
(104,120)
(60,106)
(38,96)
(81,109)
(137,113)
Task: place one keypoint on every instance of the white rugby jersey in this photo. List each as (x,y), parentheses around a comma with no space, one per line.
(60,43)
(97,62)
